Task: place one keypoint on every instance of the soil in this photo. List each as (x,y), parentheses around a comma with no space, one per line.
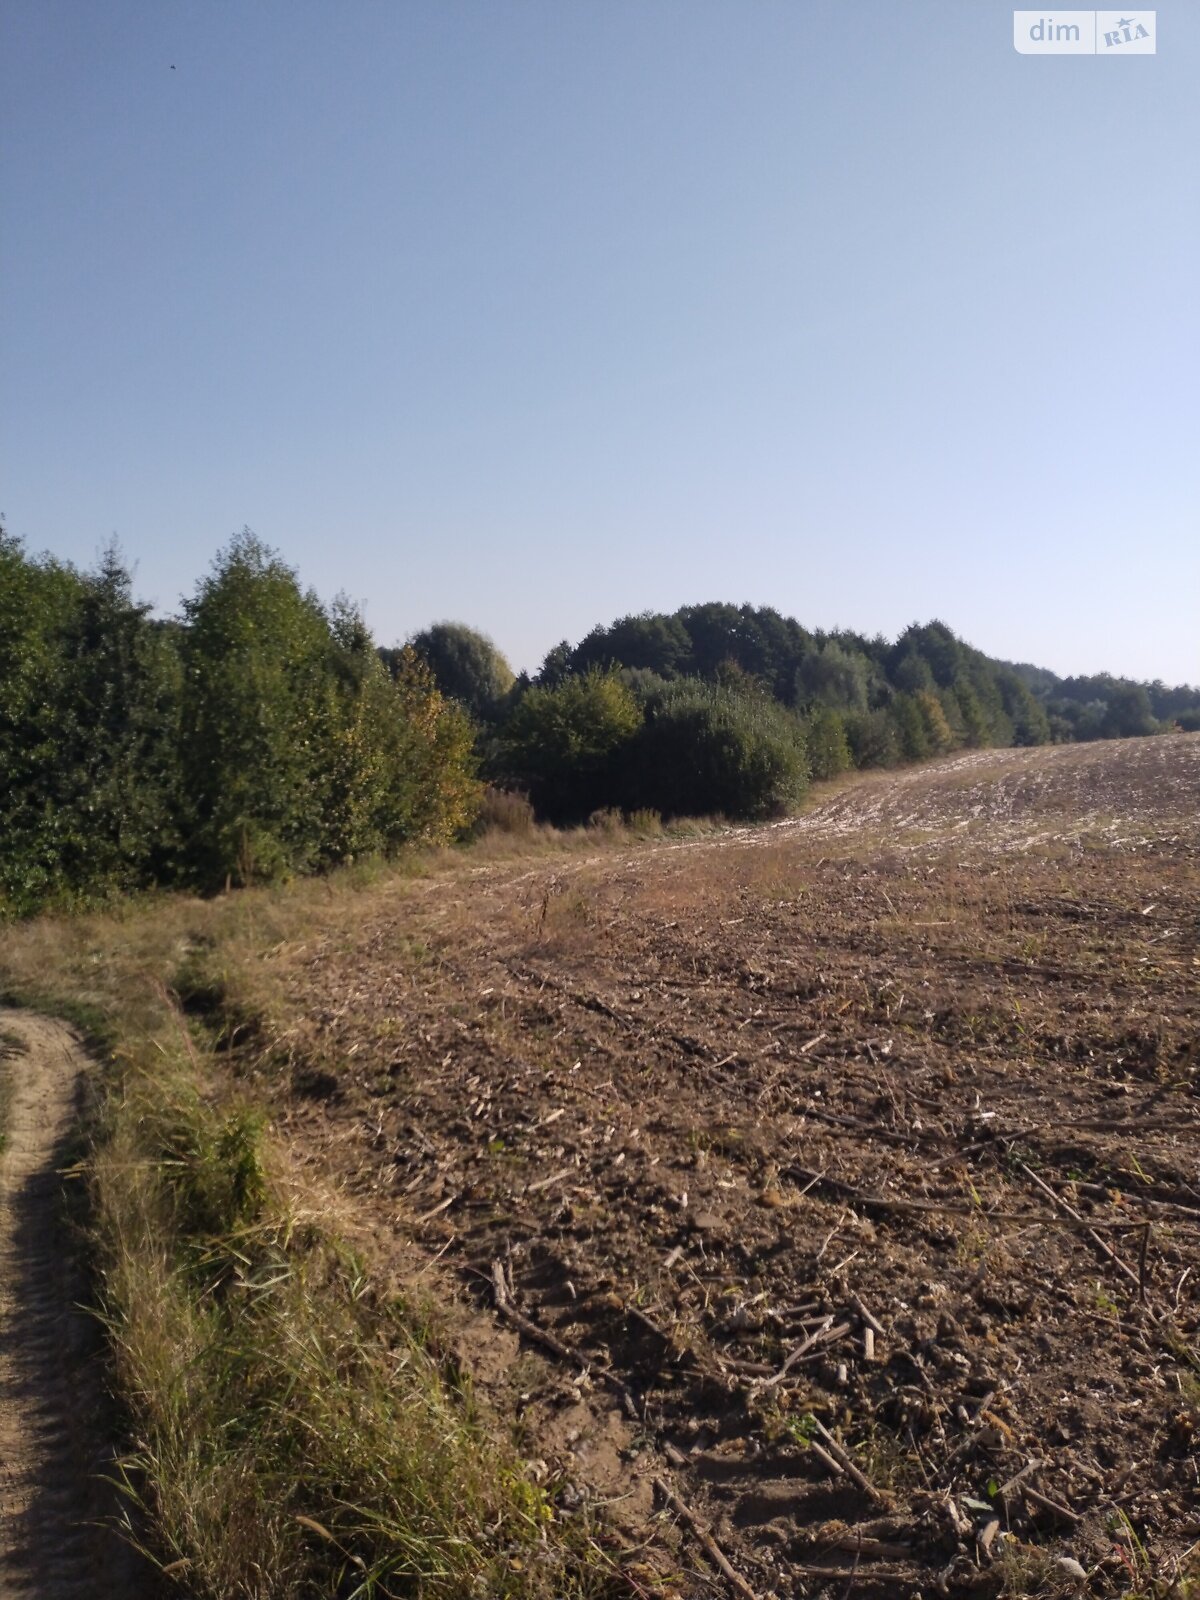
(52,1427)
(872,1137)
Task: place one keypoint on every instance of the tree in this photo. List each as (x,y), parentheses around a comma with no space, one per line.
(556,666)
(715,748)
(117,745)
(828,747)
(976,731)
(564,743)
(466,666)
(873,739)
(833,676)
(258,706)
(1129,714)
(938,736)
(650,641)
(1030,724)
(89,694)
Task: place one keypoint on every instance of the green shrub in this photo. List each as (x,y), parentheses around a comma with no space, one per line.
(564,744)
(707,749)
(828,747)
(873,739)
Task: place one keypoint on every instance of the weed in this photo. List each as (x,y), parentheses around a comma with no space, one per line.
(1027,1570)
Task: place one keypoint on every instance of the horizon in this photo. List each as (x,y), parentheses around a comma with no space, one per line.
(507,314)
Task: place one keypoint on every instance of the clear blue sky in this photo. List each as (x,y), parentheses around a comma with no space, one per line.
(532,313)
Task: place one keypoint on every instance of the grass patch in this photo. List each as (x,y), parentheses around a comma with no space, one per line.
(299,1429)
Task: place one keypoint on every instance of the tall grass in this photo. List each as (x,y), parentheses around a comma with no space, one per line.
(296,1428)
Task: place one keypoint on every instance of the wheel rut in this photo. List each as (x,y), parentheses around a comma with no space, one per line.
(53,1500)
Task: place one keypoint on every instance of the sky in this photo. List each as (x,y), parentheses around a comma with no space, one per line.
(531,314)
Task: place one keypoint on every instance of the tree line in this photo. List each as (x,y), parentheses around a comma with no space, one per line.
(262,733)
(259,735)
(730,708)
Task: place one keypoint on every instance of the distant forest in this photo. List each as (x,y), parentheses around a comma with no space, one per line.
(263,733)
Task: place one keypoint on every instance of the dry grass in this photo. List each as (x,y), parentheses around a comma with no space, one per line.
(299,1430)
(10,1045)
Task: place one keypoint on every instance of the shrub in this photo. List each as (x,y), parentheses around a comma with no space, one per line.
(709,749)
(563,743)
(504,811)
(828,747)
(873,739)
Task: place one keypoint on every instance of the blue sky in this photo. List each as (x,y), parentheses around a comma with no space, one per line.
(531,314)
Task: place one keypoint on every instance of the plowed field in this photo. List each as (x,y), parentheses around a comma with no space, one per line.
(843,1176)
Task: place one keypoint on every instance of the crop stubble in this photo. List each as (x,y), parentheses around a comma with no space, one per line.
(856,1158)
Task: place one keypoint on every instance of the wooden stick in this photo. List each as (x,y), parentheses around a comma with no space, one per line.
(1011,1483)
(871,1321)
(858,1543)
(544,1183)
(893,1205)
(805,1344)
(703,1533)
(552,1342)
(1105,1250)
(863,1575)
(1044,1500)
(849,1467)
(823,1456)
(1143,1275)
(824,1335)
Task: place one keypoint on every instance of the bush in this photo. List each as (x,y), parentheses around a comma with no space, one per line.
(872,738)
(828,747)
(503,811)
(565,743)
(709,749)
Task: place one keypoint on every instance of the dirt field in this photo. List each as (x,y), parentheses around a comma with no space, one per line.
(843,1176)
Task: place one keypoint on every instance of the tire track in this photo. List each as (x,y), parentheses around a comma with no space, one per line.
(51,1393)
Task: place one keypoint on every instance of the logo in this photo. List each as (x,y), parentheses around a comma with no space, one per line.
(1084,33)
(1127,36)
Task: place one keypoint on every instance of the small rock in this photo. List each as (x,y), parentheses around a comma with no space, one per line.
(1071,1567)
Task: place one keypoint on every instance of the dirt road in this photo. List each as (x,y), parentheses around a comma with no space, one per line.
(50,1363)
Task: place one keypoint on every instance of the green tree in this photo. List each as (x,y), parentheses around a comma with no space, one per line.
(117,717)
(38,597)
(715,748)
(976,731)
(834,676)
(1129,714)
(258,709)
(564,743)
(905,712)
(466,666)
(89,694)
(651,641)
(873,739)
(828,747)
